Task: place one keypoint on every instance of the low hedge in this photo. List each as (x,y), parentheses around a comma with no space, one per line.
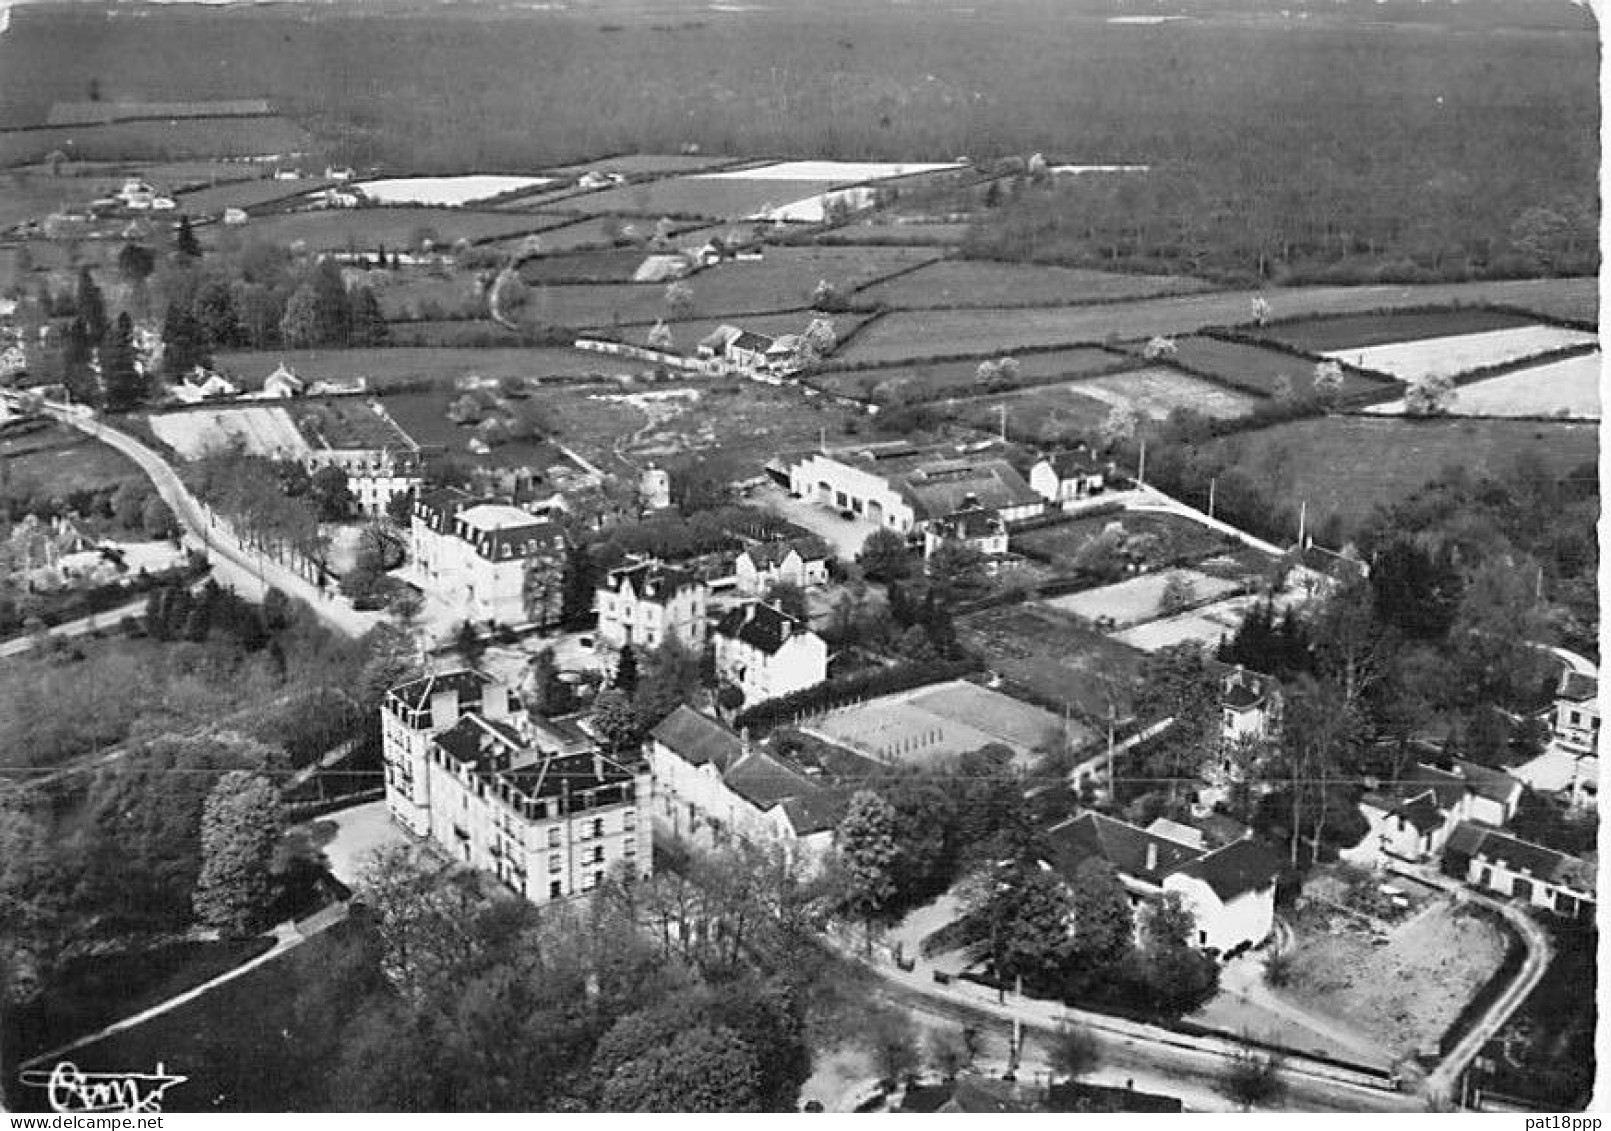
(765,716)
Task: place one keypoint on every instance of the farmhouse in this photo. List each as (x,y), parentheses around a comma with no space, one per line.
(800,561)
(283,383)
(487,561)
(1068,476)
(202,386)
(709,786)
(972,526)
(1576,717)
(766,653)
(1538,876)
(1413,819)
(644,603)
(528,799)
(1230,891)
(904,489)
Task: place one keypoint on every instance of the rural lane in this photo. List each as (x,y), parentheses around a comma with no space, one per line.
(108,618)
(248,573)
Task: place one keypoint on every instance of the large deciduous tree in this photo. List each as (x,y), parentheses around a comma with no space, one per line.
(241,825)
(867,852)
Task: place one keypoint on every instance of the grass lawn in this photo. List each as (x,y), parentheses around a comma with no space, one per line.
(648,164)
(1406,991)
(713,198)
(157,140)
(564,231)
(1138,599)
(882,231)
(970,283)
(93,992)
(1546,1054)
(938,379)
(58,460)
(424,417)
(251,194)
(1054,657)
(395,365)
(1322,335)
(409,294)
(241,1046)
(911,334)
(1045,414)
(1347,465)
(606,265)
(1254,369)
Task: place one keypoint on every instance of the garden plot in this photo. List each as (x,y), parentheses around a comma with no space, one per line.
(1138,599)
(453,192)
(1159,391)
(363,229)
(934,380)
(1055,657)
(1461,353)
(1206,625)
(1339,331)
(260,431)
(1569,388)
(975,283)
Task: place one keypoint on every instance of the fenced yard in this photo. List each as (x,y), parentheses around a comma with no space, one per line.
(1139,598)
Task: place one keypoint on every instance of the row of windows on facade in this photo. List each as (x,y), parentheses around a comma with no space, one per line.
(532,810)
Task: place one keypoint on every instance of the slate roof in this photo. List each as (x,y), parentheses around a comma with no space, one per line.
(1491,784)
(718,338)
(761,626)
(1579,687)
(1473,840)
(941,488)
(767,781)
(766,555)
(498,530)
(1241,688)
(475,740)
(1236,869)
(1124,846)
(971,523)
(651,580)
(416,695)
(1074,462)
(698,739)
(749,340)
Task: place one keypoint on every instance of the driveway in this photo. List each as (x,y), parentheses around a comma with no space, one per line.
(844,535)
(357,833)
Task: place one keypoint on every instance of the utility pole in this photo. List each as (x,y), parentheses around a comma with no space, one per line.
(1141,472)
(1303,521)
(1213,482)
(1001,410)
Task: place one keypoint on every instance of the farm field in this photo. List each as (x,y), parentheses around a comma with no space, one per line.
(421,295)
(1054,657)
(1255,369)
(1452,356)
(261,430)
(687,332)
(402,365)
(1327,335)
(784,280)
(922,726)
(157,140)
(1206,625)
(908,334)
(1569,389)
(829,173)
(647,165)
(1407,991)
(255,193)
(1174,538)
(560,232)
(608,265)
(1157,391)
(454,333)
(58,460)
(695,196)
(935,380)
(977,283)
(1137,599)
(454,192)
(1350,464)
(423,415)
(355,229)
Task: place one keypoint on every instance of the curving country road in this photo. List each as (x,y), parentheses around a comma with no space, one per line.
(248,572)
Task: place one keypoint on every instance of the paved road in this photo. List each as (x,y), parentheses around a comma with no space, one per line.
(108,619)
(247,572)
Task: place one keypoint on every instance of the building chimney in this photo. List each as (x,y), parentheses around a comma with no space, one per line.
(1152,856)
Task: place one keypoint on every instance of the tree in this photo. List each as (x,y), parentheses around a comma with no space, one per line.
(1328,381)
(702,1069)
(241,825)
(1177,684)
(469,644)
(1101,555)
(1073,1051)
(1261,310)
(368,326)
(884,556)
(135,262)
(1430,395)
(1495,637)
(1251,1079)
(1177,595)
(1027,909)
(330,493)
(89,305)
(184,344)
(679,299)
(126,386)
(1100,910)
(1119,427)
(660,337)
(948,1052)
(867,854)
(790,598)
(888,1036)
(1177,977)
(332,306)
(626,671)
(616,721)
(956,569)
(185,242)
(156,520)
(1160,349)
(299,325)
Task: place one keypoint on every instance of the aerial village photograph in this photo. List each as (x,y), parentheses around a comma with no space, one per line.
(862,556)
